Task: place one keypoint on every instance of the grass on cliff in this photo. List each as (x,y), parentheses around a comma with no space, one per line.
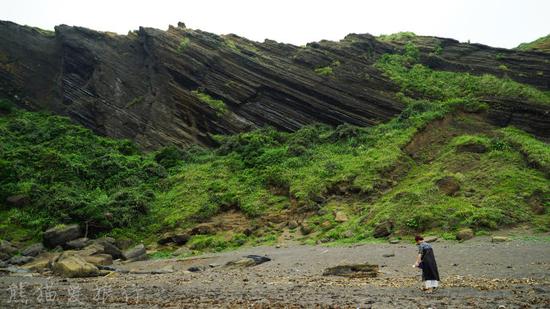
(540,44)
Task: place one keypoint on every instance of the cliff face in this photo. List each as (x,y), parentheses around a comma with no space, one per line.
(150,85)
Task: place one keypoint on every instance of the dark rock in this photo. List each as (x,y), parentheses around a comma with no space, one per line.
(465,234)
(388,255)
(203,229)
(292,224)
(123,244)
(78,243)
(7,249)
(59,235)
(33,250)
(249,260)
(383,229)
(449,185)
(195,268)
(3,264)
(137,252)
(177,237)
(18,200)
(353,271)
(472,147)
(20,260)
(109,247)
(306,228)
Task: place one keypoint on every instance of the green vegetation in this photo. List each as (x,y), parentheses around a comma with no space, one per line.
(540,44)
(218,105)
(70,175)
(184,43)
(324,71)
(399,36)
(418,80)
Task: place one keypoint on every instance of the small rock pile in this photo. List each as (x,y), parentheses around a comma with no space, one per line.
(70,255)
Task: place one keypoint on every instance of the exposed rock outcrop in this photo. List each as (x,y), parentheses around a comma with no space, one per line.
(144,85)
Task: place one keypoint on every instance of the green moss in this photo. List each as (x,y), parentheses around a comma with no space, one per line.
(184,43)
(218,105)
(324,71)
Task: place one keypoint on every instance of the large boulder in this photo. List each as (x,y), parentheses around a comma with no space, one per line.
(42,262)
(60,235)
(33,250)
(465,234)
(99,259)
(77,244)
(109,247)
(179,237)
(73,266)
(449,185)
(137,253)
(383,229)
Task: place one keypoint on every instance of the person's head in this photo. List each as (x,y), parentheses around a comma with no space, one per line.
(418,239)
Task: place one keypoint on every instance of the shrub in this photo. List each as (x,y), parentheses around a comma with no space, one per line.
(324,71)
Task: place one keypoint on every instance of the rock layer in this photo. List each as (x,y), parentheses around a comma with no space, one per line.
(143,86)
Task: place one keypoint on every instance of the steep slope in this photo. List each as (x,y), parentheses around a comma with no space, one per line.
(180,86)
(541,44)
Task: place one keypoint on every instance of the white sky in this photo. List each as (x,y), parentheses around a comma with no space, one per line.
(504,23)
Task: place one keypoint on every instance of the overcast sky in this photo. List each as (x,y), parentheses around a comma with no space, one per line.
(502,23)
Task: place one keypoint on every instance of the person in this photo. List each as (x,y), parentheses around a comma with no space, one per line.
(426,261)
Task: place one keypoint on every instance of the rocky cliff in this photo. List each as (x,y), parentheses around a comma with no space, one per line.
(182,86)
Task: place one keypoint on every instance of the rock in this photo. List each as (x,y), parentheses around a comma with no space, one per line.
(429,239)
(292,224)
(394,241)
(20,260)
(326,224)
(41,263)
(249,260)
(499,239)
(182,251)
(465,234)
(340,217)
(203,229)
(74,267)
(348,234)
(123,244)
(448,185)
(99,259)
(136,253)
(472,147)
(18,201)
(109,247)
(195,269)
(6,249)
(78,243)
(3,264)
(305,228)
(388,254)
(171,237)
(383,229)
(213,265)
(353,271)
(342,98)
(60,235)
(33,250)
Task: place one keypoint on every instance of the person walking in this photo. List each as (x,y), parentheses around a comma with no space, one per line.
(426,261)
